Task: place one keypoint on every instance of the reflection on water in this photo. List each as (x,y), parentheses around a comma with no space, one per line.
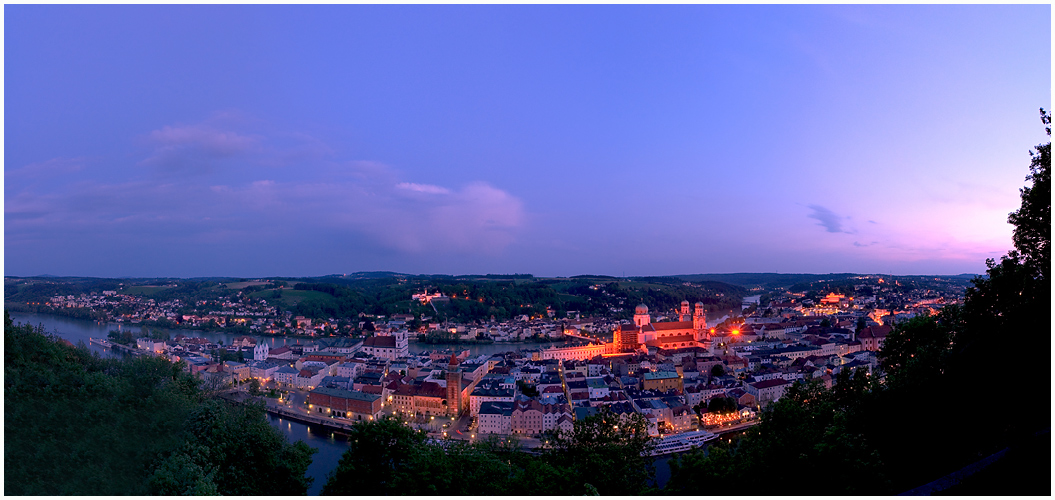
(75,330)
(330,445)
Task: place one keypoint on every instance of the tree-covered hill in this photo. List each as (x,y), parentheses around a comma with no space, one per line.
(78,424)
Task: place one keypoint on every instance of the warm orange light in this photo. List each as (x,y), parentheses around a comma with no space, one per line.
(736,332)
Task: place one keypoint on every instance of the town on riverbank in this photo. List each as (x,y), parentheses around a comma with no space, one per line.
(689,377)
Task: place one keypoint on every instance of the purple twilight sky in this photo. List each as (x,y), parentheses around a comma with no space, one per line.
(555,140)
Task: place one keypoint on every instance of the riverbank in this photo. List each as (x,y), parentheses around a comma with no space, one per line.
(76,330)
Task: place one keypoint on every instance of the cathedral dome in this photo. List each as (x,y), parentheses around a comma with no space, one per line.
(641,309)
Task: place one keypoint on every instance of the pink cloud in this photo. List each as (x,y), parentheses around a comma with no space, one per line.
(182,146)
(49,168)
(422,188)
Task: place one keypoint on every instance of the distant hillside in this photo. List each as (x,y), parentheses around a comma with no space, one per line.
(769,280)
(372,275)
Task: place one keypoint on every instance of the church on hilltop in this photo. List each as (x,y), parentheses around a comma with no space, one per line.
(690,331)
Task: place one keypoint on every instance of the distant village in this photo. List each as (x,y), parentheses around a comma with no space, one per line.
(670,367)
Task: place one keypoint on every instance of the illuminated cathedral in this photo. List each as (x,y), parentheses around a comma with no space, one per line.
(690,331)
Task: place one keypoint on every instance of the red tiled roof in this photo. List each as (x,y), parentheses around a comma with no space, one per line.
(765,384)
(380,341)
(432,390)
(673,325)
(875,331)
(678,338)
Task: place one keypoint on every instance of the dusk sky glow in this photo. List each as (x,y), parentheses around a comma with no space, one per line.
(198,140)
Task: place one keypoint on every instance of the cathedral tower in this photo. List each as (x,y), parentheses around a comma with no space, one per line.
(641,317)
(699,318)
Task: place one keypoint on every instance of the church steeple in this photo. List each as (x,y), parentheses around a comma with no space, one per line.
(641,316)
(699,318)
(454,387)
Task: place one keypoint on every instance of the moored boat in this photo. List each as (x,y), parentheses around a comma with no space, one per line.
(681,442)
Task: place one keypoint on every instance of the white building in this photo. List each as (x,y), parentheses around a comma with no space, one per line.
(767,391)
(150,345)
(389,346)
(494,418)
(286,375)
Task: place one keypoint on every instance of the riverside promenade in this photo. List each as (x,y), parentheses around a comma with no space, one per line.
(333,424)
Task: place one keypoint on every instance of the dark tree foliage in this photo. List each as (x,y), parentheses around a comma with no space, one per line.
(1032,237)
(74,422)
(608,451)
(722,405)
(800,435)
(378,458)
(1013,300)
(78,424)
(387,457)
(239,451)
(916,351)
(717,371)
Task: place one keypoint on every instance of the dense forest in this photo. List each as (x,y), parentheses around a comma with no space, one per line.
(78,424)
(606,454)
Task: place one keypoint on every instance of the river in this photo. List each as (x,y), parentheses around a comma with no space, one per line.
(74,330)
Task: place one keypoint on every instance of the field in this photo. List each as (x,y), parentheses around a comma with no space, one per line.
(291,298)
(238,285)
(146,290)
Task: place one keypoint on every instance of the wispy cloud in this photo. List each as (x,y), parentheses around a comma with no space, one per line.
(828,220)
(45,169)
(193,147)
(423,188)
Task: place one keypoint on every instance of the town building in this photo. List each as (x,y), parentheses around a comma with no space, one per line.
(495,417)
(353,405)
(390,346)
(767,391)
(661,381)
(261,351)
(530,417)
